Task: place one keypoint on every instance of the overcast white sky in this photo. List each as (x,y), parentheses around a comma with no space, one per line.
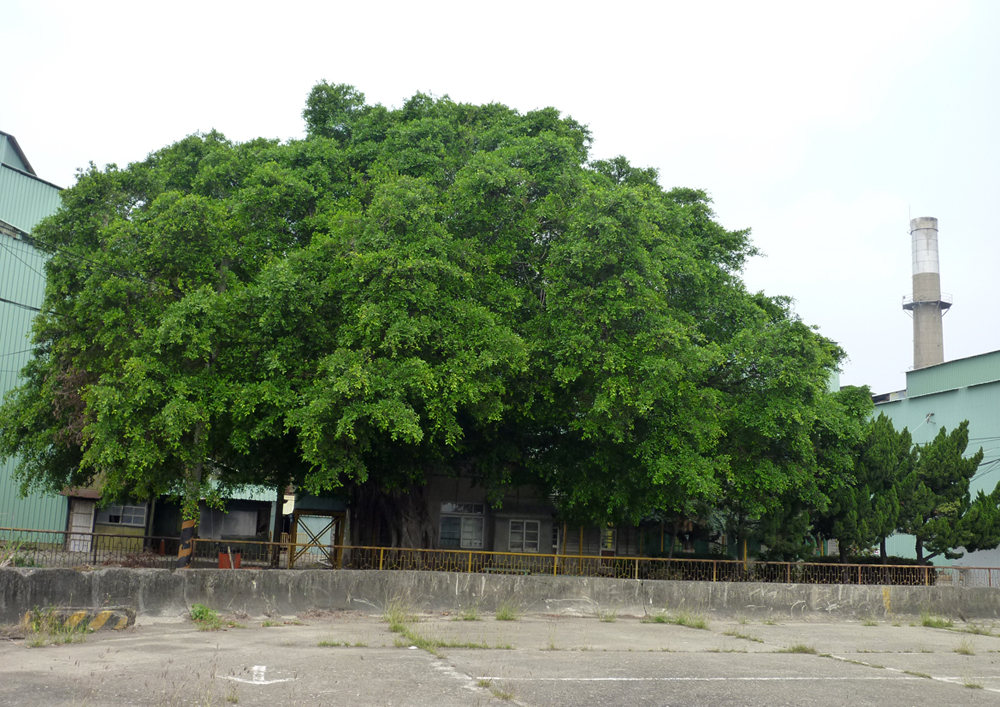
(823,127)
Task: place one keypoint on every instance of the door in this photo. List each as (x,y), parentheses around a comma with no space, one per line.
(81,524)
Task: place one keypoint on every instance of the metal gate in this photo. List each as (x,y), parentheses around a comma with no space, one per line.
(325,542)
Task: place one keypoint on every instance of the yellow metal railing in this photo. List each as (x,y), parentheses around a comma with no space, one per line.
(42,548)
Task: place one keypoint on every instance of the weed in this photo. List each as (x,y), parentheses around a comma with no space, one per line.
(501,693)
(797,648)
(232,695)
(471,613)
(743,620)
(935,621)
(744,636)
(726,650)
(964,647)
(769,621)
(977,630)
(47,627)
(608,616)
(268,623)
(205,618)
(916,674)
(869,622)
(686,619)
(681,619)
(507,610)
(397,614)
(973,685)
(483,682)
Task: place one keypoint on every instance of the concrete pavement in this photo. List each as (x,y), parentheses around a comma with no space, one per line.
(536,660)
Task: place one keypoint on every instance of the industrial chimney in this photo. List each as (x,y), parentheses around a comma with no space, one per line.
(926,302)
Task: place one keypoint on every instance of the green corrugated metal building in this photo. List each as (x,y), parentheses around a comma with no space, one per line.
(24,201)
(945,395)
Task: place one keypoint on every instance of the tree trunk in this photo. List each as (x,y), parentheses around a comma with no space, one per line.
(402,512)
(881,550)
(673,538)
(189,518)
(920,551)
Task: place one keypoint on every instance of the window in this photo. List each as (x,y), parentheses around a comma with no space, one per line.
(524,536)
(462,525)
(122,515)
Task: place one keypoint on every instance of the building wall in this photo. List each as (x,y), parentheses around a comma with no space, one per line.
(22,284)
(944,396)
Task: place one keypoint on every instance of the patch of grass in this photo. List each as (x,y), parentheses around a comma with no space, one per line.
(608,616)
(977,630)
(680,619)
(691,621)
(935,621)
(232,695)
(743,620)
(268,623)
(917,674)
(972,685)
(344,644)
(500,692)
(483,682)
(964,647)
(869,622)
(47,628)
(725,650)
(470,614)
(507,610)
(797,648)
(206,619)
(398,614)
(743,636)
(770,621)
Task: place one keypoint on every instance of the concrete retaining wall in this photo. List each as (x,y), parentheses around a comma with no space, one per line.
(153,592)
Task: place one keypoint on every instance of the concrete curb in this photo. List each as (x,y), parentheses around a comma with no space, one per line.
(156,592)
(108,619)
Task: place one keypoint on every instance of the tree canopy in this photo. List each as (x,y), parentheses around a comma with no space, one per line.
(439,287)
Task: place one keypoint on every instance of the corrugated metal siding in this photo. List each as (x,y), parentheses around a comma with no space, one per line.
(25,200)
(8,155)
(22,281)
(964,372)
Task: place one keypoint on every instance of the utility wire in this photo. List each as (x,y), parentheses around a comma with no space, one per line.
(15,353)
(7,248)
(18,304)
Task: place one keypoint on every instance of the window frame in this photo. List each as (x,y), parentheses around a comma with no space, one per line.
(471,519)
(524,545)
(109,516)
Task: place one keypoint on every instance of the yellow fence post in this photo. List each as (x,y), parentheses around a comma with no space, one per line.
(555,565)
(714,565)
(788,573)
(381,556)
(859,574)
(637,568)
(468,567)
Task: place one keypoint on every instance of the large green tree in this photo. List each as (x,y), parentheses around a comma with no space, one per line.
(434,289)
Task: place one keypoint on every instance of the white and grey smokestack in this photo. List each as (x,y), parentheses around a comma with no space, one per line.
(926,302)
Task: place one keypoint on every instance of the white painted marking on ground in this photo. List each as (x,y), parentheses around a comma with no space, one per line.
(697,679)
(259,677)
